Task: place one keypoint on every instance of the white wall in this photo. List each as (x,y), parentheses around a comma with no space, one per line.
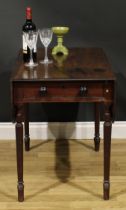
(67,130)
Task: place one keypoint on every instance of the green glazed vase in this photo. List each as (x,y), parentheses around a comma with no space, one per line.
(60,48)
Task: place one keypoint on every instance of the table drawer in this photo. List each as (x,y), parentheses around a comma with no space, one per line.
(60,91)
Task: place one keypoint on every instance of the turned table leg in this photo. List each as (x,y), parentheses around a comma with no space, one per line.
(19,150)
(97,124)
(107,150)
(26,127)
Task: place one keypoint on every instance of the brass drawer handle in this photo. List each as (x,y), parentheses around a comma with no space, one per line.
(83,90)
(43,90)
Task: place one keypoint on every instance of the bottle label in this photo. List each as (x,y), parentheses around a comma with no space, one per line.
(24,45)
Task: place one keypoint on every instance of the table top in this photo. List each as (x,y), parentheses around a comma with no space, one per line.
(81,64)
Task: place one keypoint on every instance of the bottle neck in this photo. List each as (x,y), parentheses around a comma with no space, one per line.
(28,14)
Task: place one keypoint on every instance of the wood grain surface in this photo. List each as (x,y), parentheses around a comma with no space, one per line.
(63,174)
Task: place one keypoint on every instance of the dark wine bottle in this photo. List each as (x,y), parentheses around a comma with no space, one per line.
(28,26)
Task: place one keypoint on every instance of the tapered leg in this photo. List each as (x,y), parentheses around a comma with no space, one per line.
(19,149)
(97,124)
(107,150)
(26,128)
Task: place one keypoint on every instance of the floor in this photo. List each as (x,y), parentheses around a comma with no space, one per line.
(63,174)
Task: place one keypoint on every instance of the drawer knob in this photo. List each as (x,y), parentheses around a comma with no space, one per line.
(43,90)
(83,90)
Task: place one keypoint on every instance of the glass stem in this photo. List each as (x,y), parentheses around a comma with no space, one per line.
(31,59)
(46,58)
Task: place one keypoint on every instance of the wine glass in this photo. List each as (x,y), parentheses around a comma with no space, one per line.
(31,40)
(46,37)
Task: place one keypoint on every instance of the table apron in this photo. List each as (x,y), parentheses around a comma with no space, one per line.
(63,92)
